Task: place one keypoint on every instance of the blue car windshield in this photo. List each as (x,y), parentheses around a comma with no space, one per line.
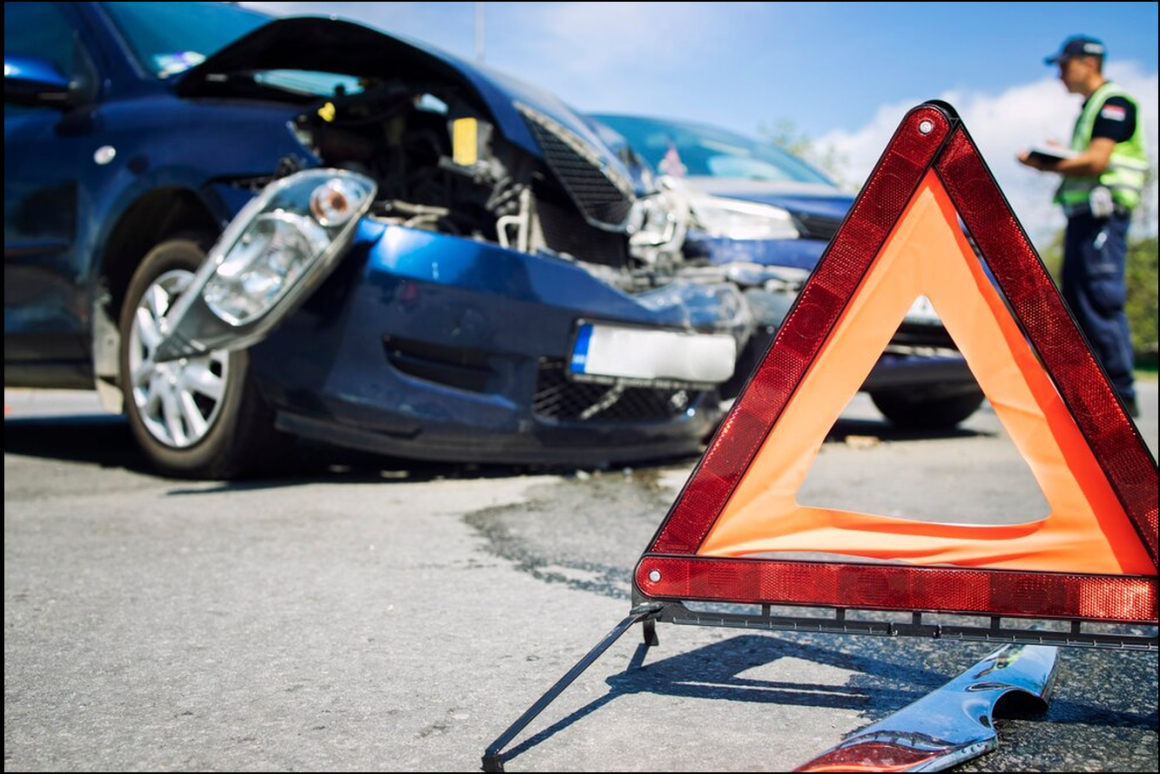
(168,38)
(695,150)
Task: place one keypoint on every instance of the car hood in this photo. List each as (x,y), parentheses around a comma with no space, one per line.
(799,198)
(346,48)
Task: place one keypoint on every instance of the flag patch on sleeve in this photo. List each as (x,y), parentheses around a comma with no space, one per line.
(1114,112)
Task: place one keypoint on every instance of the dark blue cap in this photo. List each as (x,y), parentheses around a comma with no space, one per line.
(1077,45)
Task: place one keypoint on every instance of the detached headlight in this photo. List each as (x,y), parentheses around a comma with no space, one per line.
(290,230)
(733,219)
(283,242)
(267,259)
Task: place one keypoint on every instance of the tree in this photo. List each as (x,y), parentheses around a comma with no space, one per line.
(786,135)
(1142,294)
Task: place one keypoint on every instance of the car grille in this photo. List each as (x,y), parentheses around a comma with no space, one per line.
(559,398)
(599,193)
(816,226)
(565,231)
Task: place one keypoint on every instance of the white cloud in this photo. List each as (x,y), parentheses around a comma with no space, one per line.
(606,39)
(1003,125)
(611,54)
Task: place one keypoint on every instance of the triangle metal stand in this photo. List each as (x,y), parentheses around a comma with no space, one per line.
(647,613)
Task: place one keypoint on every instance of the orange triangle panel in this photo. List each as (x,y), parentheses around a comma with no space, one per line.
(1092,558)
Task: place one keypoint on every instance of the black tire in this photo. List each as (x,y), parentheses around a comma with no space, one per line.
(925,411)
(197,417)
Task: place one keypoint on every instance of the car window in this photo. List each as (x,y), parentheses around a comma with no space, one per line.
(744,167)
(168,38)
(40,30)
(696,150)
(310,82)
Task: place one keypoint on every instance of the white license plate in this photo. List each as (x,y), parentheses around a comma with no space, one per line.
(922,311)
(641,353)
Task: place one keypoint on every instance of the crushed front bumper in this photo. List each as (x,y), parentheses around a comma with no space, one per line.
(436,347)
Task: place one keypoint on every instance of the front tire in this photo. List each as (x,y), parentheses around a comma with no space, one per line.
(197,417)
(923,411)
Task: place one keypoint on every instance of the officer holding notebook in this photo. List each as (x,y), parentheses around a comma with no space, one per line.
(1103,176)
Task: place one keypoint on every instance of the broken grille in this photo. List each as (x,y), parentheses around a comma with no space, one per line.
(559,398)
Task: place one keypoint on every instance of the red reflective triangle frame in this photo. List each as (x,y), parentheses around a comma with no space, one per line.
(930,140)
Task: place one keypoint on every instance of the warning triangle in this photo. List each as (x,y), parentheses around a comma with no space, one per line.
(1092,558)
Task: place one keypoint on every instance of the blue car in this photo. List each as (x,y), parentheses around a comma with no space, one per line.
(240,230)
(767,216)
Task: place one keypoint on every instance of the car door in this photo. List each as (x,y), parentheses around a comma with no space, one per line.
(47,300)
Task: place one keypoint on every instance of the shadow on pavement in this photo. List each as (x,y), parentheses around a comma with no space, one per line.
(105,440)
(843,429)
(714,672)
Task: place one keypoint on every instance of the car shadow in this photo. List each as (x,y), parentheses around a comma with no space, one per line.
(105,441)
(846,429)
(102,440)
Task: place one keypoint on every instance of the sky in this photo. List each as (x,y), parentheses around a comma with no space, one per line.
(844,74)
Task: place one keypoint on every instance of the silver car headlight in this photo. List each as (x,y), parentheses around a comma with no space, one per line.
(295,222)
(283,242)
(734,219)
(263,264)
(658,222)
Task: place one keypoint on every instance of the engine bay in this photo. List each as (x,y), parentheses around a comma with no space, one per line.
(442,165)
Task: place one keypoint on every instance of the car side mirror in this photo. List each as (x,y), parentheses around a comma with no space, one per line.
(32,81)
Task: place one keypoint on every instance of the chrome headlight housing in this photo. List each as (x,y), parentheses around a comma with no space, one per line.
(263,265)
(286,240)
(658,222)
(734,219)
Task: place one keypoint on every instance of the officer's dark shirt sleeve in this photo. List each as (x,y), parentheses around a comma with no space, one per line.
(1116,120)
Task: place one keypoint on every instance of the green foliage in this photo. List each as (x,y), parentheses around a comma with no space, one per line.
(786,134)
(1142,293)
(1052,256)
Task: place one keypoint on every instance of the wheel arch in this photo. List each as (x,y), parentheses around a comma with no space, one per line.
(152,218)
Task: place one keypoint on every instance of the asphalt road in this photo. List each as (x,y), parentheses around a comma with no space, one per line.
(363,614)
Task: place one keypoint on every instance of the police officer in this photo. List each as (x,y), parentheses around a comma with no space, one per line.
(1102,182)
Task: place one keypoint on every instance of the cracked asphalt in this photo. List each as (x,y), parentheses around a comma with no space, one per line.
(366,614)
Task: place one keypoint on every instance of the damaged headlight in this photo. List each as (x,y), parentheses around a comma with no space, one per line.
(658,223)
(263,265)
(733,219)
(280,244)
